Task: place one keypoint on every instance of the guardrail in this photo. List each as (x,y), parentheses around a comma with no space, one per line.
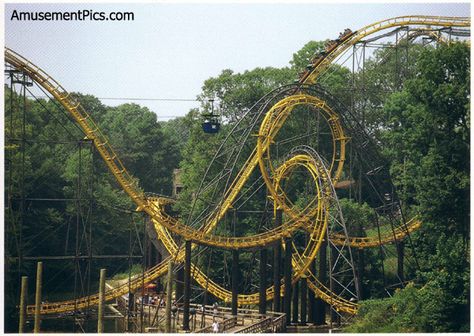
(259,323)
(279,324)
(263,326)
(223,327)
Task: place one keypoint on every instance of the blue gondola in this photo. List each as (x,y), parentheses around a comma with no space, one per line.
(211,123)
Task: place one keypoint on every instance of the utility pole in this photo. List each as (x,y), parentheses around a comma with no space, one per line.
(23,298)
(100,310)
(39,275)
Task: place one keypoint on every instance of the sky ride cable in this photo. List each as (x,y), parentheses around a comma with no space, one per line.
(116,166)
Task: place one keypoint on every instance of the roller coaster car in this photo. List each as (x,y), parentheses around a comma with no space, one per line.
(303,74)
(344,35)
(330,45)
(211,123)
(318,59)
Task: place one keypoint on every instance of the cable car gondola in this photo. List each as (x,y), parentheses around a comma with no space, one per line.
(211,123)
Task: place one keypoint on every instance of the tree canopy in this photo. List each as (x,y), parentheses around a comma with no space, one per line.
(420,120)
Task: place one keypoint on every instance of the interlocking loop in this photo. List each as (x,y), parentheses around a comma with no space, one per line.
(314,220)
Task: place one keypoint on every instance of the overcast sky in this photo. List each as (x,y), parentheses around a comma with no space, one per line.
(170,49)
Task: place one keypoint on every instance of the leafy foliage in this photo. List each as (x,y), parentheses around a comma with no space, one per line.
(422,124)
(428,145)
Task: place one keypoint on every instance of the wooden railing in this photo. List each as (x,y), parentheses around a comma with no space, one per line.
(223,327)
(279,324)
(259,323)
(264,326)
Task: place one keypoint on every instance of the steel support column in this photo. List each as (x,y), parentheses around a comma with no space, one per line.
(311,297)
(287,273)
(179,285)
(296,294)
(262,306)
(361,265)
(187,284)
(235,280)
(400,256)
(277,266)
(320,316)
(304,299)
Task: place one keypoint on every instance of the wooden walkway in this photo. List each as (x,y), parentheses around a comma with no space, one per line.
(152,317)
(246,321)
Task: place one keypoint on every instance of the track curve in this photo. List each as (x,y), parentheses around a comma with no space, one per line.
(129,185)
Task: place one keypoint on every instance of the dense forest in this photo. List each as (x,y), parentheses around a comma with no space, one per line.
(420,118)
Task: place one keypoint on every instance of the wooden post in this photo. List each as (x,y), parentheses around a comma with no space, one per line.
(187,283)
(287,272)
(235,280)
(169,297)
(23,298)
(277,266)
(100,310)
(39,275)
(262,297)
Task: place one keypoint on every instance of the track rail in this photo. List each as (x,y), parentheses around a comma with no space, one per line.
(400,21)
(398,233)
(269,129)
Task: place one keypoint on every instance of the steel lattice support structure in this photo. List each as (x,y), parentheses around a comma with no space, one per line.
(322,217)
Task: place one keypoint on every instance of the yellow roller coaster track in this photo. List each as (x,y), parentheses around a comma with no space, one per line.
(389,236)
(272,123)
(399,21)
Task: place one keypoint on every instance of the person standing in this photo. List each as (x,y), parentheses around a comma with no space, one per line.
(215,327)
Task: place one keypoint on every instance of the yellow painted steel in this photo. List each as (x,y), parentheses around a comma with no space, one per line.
(318,226)
(272,123)
(422,21)
(398,233)
(129,184)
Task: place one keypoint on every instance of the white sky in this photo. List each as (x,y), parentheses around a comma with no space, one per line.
(170,49)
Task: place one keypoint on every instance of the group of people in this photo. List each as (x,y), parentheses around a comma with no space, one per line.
(156,300)
(152,299)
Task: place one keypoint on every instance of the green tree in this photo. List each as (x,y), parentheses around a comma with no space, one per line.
(427,142)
